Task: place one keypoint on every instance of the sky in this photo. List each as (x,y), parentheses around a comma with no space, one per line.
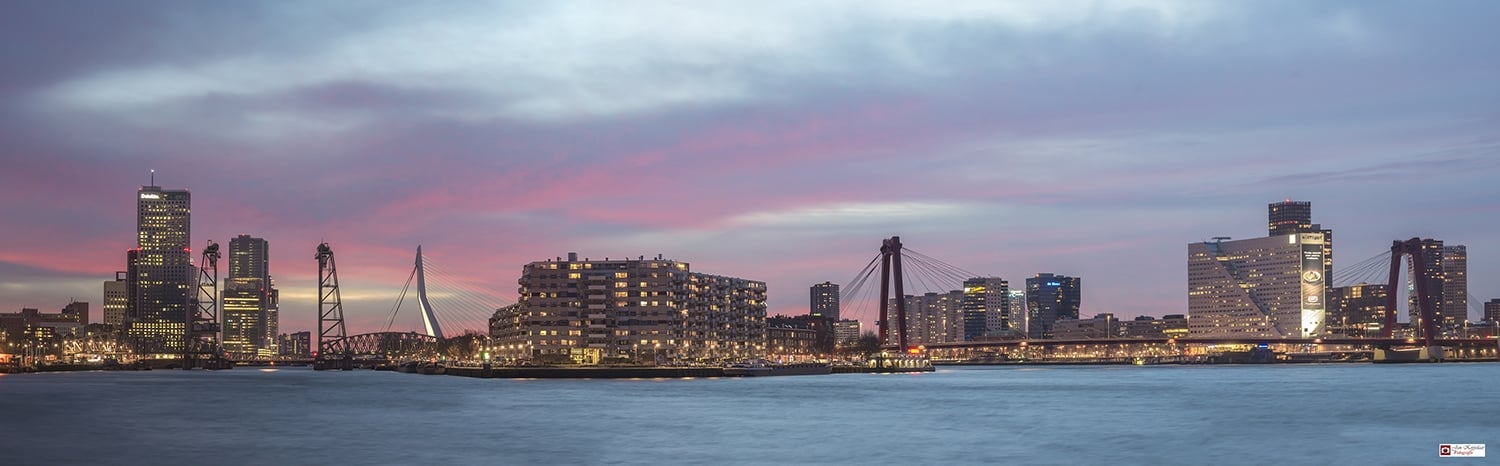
(776,141)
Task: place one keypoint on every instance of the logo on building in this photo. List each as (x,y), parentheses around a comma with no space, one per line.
(1312,276)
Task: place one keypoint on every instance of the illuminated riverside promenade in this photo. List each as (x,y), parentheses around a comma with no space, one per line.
(1126,349)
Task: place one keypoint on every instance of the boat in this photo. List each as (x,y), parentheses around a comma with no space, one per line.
(895,363)
(408,367)
(759,367)
(433,368)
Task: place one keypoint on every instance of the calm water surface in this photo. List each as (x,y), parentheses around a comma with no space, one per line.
(1264,415)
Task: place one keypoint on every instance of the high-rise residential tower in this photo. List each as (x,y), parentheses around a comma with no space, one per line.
(1492,310)
(1015,315)
(985,298)
(1432,276)
(931,318)
(1048,298)
(824,300)
(1270,287)
(1455,309)
(249,299)
(161,269)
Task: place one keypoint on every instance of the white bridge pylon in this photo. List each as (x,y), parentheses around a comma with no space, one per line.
(429,320)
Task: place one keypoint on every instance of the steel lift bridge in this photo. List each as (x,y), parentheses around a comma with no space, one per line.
(336,349)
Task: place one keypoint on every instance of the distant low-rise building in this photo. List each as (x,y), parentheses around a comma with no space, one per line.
(789,338)
(846,331)
(18,325)
(1175,325)
(1357,310)
(296,345)
(1143,327)
(1099,327)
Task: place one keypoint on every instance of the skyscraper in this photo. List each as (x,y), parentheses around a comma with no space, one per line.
(1289,217)
(161,270)
(249,300)
(1015,315)
(1455,285)
(1293,217)
(1492,310)
(984,299)
(1048,298)
(824,300)
(1432,276)
(1270,287)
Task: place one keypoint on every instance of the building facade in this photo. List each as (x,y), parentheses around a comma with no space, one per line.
(249,300)
(1295,217)
(1099,327)
(1492,310)
(1455,285)
(161,271)
(639,309)
(1271,287)
(824,300)
(18,325)
(846,331)
(1143,327)
(788,338)
(295,345)
(1014,323)
(1289,217)
(985,300)
(1357,310)
(1431,274)
(1049,298)
(116,300)
(931,318)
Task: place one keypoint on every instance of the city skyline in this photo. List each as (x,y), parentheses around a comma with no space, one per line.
(780,144)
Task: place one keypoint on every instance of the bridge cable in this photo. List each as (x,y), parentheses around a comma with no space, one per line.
(397,307)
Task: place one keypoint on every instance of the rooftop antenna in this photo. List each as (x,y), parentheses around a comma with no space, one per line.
(153,177)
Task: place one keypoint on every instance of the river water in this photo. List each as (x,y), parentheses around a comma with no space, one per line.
(1264,415)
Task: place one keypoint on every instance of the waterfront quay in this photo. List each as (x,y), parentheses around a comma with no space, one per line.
(1202,351)
(635,372)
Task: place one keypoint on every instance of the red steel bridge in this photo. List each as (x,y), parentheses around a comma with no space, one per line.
(889,264)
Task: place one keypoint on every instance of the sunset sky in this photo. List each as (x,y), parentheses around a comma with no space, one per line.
(777,141)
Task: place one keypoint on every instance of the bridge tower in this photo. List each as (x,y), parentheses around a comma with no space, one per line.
(429,320)
(890,276)
(333,344)
(1412,249)
(203,338)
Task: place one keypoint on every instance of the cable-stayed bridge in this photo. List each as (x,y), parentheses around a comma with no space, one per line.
(1428,337)
(443,300)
